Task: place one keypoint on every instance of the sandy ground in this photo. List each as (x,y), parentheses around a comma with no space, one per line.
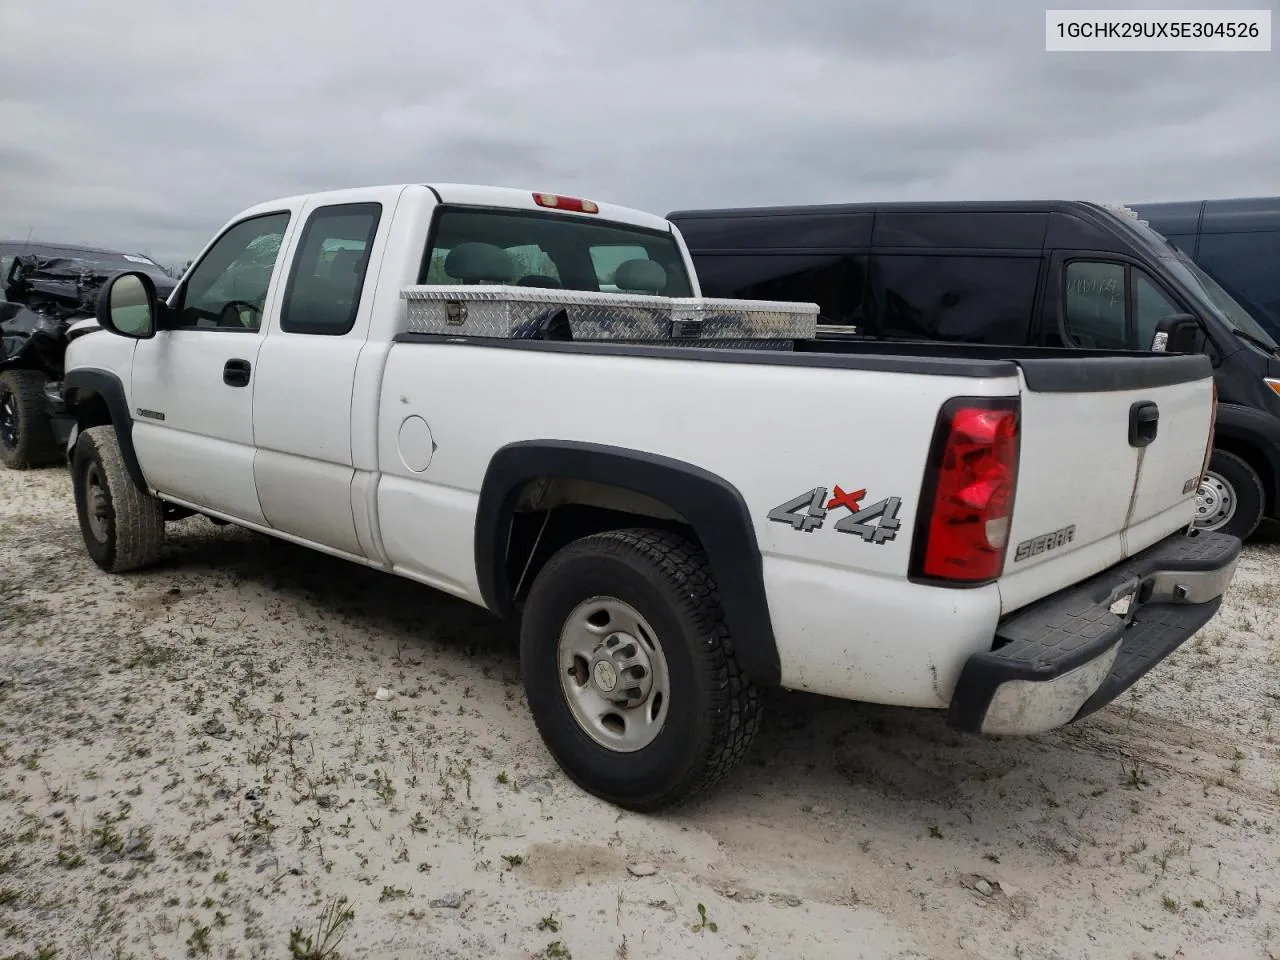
(193,763)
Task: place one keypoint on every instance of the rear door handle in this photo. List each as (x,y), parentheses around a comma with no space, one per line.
(235,373)
(1144,420)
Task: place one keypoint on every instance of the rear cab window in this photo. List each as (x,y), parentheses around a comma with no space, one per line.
(328,272)
(552,251)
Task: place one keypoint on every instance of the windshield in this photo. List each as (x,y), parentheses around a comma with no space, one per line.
(1228,308)
(557,252)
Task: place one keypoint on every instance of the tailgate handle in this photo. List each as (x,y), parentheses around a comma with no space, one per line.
(1144,418)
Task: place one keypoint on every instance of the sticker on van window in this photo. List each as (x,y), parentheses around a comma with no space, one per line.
(875,523)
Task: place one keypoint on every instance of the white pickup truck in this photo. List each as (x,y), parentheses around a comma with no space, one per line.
(522,399)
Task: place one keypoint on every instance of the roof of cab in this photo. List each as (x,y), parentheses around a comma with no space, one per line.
(467,194)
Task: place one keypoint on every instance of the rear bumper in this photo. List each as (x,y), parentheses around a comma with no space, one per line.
(1063,657)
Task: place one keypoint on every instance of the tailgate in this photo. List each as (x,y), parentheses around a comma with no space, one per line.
(1111,450)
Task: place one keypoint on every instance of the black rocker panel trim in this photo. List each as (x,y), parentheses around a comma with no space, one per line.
(714,508)
(108,386)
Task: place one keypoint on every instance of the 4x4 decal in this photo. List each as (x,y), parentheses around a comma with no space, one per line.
(808,512)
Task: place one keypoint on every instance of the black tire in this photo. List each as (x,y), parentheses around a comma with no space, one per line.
(712,711)
(1229,477)
(26,434)
(129,524)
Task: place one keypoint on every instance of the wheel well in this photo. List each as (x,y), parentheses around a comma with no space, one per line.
(91,409)
(571,488)
(1255,458)
(552,512)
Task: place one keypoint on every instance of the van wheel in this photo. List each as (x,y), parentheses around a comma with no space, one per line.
(26,435)
(123,528)
(1230,498)
(630,672)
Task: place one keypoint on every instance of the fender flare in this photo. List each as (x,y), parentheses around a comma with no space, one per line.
(713,507)
(108,386)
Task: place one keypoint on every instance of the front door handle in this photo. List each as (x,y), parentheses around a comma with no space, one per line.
(1144,420)
(235,373)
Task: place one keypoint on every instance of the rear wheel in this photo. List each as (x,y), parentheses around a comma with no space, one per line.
(26,435)
(1230,498)
(630,672)
(123,527)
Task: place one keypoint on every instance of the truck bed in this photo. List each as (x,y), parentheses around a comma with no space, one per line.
(829,413)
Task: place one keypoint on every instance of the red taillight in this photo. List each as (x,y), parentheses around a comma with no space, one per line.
(967,500)
(572,204)
(1213,425)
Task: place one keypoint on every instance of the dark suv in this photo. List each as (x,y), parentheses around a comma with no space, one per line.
(46,288)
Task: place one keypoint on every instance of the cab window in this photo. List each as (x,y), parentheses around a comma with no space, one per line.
(557,251)
(1095,311)
(328,272)
(227,290)
(1113,306)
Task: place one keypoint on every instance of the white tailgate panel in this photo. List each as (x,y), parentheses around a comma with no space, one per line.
(1079,470)
(1076,469)
(1173,460)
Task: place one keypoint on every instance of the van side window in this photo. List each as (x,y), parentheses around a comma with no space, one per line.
(329,269)
(833,281)
(958,298)
(1095,298)
(1150,306)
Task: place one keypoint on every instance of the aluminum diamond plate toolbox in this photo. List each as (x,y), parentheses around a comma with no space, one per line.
(517,313)
(748,319)
(509,312)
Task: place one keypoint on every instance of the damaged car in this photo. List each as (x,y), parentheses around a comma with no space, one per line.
(47,289)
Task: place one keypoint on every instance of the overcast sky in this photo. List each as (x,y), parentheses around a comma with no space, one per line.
(147,124)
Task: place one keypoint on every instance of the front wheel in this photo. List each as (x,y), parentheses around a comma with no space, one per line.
(630,672)
(1230,498)
(122,526)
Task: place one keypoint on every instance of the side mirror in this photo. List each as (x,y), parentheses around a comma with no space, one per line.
(127,306)
(1176,333)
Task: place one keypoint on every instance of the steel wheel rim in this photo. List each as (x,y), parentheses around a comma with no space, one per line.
(8,420)
(97,504)
(1215,502)
(613,674)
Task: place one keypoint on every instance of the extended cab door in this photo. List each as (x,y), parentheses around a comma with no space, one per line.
(302,408)
(193,383)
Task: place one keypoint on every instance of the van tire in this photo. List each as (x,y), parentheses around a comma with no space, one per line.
(1231,498)
(619,592)
(122,526)
(26,434)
